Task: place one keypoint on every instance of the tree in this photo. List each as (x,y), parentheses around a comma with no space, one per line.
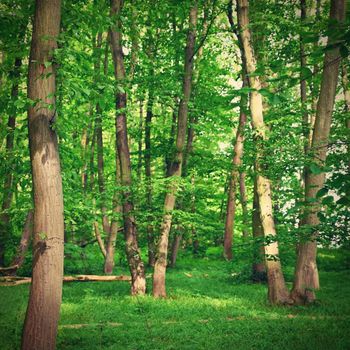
(306,279)
(40,325)
(176,164)
(277,293)
(138,284)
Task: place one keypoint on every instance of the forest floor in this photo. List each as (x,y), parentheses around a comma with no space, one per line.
(210,305)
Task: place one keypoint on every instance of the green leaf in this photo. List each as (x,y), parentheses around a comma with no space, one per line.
(321,192)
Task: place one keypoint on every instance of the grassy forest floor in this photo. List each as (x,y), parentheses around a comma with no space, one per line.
(211,305)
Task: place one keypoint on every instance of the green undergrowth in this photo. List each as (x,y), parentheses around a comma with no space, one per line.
(210,305)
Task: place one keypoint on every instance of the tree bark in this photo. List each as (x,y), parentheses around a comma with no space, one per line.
(234,176)
(176,166)
(138,285)
(277,291)
(40,325)
(8,182)
(306,279)
(259,269)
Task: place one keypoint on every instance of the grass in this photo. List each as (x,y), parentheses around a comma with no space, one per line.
(208,307)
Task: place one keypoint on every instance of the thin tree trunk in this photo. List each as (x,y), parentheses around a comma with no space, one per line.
(244,201)
(175,248)
(139,161)
(138,284)
(41,321)
(277,291)
(306,279)
(234,176)
(115,222)
(148,173)
(8,182)
(100,239)
(99,142)
(259,269)
(176,166)
(22,248)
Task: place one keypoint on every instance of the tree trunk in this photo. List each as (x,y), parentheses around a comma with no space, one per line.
(176,166)
(277,291)
(234,176)
(138,284)
(115,222)
(8,182)
(99,140)
(148,173)
(306,279)
(175,248)
(259,269)
(40,325)
(23,247)
(139,153)
(244,201)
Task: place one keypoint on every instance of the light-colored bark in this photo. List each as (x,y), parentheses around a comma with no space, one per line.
(137,270)
(277,291)
(41,321)
(306,279)
(159,289)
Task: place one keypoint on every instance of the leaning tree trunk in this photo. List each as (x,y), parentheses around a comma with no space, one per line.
(8,183)
(18,259)
(40,325)
(306,279)
(137,270)
(176,166)
(277,290)
(234,177)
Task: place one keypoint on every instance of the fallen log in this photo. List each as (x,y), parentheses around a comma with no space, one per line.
(15,281)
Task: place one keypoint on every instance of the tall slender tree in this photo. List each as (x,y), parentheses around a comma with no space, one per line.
(177,162)
(40,326)
(137,270)
(306,279)
(277,290)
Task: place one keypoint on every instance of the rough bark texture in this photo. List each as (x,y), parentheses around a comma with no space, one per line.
(306,279)
(40,326)
(234,177)
(8,182)
(277,291)
(176,166)
(138,285)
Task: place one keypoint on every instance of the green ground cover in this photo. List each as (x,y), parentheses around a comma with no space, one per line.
(211,305)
